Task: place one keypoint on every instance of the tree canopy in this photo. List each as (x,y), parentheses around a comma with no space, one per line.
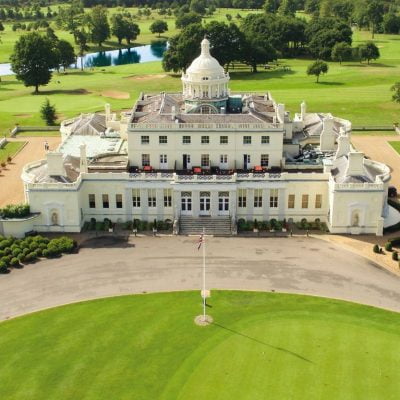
(98,25)
(159,26)
(317,68)
(33,59)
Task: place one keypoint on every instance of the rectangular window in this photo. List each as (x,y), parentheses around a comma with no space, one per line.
(145,160)
(92,201)
(242,199)
(163,139)
(205,140)
(163,159)
(223,158)
(152,199)
(264,160)
(264,139)
(118,200)
(145,139)
(304,201)
(273,198)
(136,198)
(246,139)
(257,198)
(106,203)
(318,201)
(291,200)
(223,140)
(205,160)
(186,139)
(167,197)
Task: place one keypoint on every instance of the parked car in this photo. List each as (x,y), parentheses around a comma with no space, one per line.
(392,191)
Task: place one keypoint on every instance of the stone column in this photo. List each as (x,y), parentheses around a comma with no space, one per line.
(160,203)
(128,204)
(250,204)
(232,203)
(195,203)
(214,203)
(266,209)
(144,205)
(282,203)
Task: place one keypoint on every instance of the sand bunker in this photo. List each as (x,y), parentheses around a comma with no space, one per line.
(23,115)
(115,94)
(146,77)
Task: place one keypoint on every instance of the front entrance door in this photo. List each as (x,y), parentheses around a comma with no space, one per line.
(246,161)
(186,162)
(205,203)
(186,203)
(163,161)
(223,203)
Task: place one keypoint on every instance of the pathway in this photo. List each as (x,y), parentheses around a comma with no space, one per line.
(147,264)
(11,187)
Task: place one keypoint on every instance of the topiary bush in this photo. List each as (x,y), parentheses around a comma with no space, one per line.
(376,249)
(388,246)
(3,267)
(395,256)
(14,262)
(15,211)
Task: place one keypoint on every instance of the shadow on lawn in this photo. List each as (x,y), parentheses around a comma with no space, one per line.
(263,343)
(261,75)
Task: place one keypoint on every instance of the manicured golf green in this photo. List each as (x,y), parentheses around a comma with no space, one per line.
(260,346)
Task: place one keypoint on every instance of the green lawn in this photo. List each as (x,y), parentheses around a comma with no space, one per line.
(396,146)
(10,149)
(261,346)
(373,133)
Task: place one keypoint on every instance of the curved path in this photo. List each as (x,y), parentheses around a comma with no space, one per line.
(147,264)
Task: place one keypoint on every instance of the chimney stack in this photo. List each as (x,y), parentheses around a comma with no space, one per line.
(303,108)
(356,164)
(327,138)
(83,165)
(281,113)
(343,146)
(55,164)
(108,111)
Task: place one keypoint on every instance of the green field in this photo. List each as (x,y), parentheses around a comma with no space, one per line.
(396,146)
(261,346)
(10,149)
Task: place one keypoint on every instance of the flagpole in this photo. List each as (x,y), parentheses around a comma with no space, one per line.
(204,275)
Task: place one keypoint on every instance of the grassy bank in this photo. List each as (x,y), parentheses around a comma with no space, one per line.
(148,347)
(9,150)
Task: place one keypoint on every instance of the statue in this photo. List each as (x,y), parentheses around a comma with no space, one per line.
(54,218)
(355,219)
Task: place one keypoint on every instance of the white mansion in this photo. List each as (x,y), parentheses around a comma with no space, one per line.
(206,155)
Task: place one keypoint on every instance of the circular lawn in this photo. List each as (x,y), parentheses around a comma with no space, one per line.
(260,346)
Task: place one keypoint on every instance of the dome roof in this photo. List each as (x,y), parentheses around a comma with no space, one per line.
(205,64)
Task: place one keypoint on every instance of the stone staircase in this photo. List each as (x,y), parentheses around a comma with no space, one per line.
(213,226)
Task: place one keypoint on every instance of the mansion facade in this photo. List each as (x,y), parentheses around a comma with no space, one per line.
(207,154)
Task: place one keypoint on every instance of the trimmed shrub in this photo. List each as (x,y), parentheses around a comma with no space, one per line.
(376,249)
(16,251)
(15,211)
(395,256)
(3,267)
(388,246)
(7,251)
(21,258)
(46,253)
(14,261)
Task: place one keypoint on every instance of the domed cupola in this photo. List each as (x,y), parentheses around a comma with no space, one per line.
(205,83)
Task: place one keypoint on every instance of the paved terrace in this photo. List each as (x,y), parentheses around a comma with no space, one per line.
(147,264)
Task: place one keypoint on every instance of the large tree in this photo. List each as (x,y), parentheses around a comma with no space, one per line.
(374,12)
(81,39)
(342,52)
(317,68)
(158,26)
(33,59)
(183,48)
(65,54)
(368,51)
(257,51)
(227,41)
(98,24)
(118,26)
(183,20)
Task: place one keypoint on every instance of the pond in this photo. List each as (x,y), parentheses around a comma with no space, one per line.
(133,55)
